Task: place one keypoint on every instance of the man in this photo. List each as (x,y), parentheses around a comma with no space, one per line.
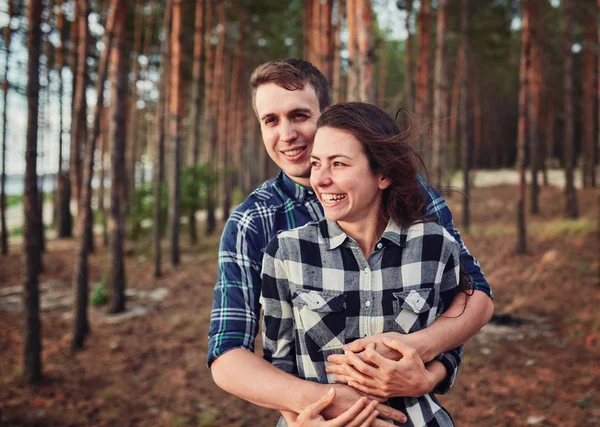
(288,97)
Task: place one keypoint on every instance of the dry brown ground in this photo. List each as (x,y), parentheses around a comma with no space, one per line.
(150,370)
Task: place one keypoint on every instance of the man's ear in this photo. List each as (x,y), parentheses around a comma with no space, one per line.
(384,182)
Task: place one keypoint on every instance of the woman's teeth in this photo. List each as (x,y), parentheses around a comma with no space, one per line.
(329,198)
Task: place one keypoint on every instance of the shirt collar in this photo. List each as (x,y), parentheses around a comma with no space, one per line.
(293,189)
(334,236)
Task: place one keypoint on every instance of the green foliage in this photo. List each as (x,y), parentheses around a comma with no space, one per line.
(142,208)
(195,182)
(13,200)
(99,295)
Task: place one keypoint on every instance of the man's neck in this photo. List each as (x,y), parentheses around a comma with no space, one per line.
(305,182)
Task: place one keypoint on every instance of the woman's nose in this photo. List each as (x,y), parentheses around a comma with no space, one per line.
(322,178)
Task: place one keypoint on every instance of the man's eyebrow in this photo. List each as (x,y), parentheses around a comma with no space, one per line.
(300,110)
(267,115)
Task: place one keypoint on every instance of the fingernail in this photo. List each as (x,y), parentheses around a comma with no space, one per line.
(330,392)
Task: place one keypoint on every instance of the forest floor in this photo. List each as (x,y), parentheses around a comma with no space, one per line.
(536,364)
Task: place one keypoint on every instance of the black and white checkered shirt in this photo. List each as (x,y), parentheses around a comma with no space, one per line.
(319,293)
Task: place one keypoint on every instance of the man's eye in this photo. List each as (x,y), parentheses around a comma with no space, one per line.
(300,116)
(269,120)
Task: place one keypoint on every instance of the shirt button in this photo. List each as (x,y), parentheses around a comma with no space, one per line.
(367,304)
(379,245)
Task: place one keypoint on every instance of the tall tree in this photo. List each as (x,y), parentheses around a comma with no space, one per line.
(132,154)
(337,48)
(408,47)
(196,107)
(175,129)
(588,97)
(466,154)
(5,88)
(84,219)
(423,65)
(159,140)
(64,219)
(32,361)
(353,60)
(210,113)
(440,114)
(571,209)
(78,124)
(522,126)
(327,41)
(117,132)
(534,88)
(366,48)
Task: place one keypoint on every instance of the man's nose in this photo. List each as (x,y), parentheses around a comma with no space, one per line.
(288,131)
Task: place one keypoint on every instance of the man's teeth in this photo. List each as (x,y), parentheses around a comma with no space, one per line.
(293,153)
(332,197)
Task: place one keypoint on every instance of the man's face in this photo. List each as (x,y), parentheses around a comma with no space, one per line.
(288,122)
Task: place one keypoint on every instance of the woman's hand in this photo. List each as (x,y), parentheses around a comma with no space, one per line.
(361,414)
(376,375)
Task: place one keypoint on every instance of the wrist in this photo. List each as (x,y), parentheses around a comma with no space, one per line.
(309,392)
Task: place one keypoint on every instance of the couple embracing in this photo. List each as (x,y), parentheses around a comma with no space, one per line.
(355,261)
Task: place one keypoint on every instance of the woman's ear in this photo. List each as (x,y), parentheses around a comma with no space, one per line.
(384,182)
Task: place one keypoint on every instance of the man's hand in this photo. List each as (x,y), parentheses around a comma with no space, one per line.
(361,414)
(382,377)
(346,396)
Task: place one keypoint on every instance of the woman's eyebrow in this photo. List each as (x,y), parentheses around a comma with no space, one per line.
(333,156)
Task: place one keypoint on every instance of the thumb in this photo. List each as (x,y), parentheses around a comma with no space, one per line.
(404,349)
(317,407)
(357,345)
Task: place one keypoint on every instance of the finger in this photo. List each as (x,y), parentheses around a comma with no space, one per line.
(391,413)
(370,420)
(342,379)
(358,345)
(374,392)
(338,359)
(363,415)
(335,369)
(361,366)
(360,377)
(317,407)
(349,414)
(377,359)
(400,347)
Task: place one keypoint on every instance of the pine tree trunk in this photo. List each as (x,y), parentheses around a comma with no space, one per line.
(175,130)
(571,209)
(84,219)
(534,105)
(382,75)
(522,127)
(353,60)
(118,78)
(588,99)
(454,111)
(237,103)
(409,79)
(5,88)
(316,35)
(159,141)
(366,48)
(337,47)
(422,89)
(307,34)
(326,36)
(78,127)
(32,361)
(466,154)
(195,113)
(210,116)
(101,187)
(439,98)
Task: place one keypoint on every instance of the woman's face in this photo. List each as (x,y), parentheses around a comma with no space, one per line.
(345,185)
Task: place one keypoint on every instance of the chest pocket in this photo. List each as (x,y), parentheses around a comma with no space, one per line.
(322,316)
(415,308)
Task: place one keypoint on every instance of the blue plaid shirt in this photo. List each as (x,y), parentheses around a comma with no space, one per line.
(281,204)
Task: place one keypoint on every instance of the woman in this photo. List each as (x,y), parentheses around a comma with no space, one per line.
(373,265)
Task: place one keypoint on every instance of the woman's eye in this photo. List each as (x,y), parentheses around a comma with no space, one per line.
(314,164)
(338,164)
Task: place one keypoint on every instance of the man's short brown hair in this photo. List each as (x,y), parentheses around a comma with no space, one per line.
(291,74)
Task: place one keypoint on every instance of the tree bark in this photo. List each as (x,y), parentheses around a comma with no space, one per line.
(210,115)
(366,48)
(195,112)
(571,209)
(534,106)
(382,75)
(337,60)
(409,79)
(353,60)
(440,120)
(5,88)
(175,130)
(32,361)
(78,127)
(118,132)
(84,219)
(326,37)
(422,89)
(466,154)
(588,99)
(159,141)
(522,127)
(455,112)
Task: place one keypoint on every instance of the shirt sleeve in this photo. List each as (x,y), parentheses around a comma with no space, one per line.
(448,290)
(436,206)
(278,324)
(236,309)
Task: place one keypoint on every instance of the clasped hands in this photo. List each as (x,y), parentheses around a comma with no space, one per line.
(378,367)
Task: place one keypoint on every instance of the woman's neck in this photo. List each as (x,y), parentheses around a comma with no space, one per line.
(366,232)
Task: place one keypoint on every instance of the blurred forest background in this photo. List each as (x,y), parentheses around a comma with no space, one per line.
(128,136)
